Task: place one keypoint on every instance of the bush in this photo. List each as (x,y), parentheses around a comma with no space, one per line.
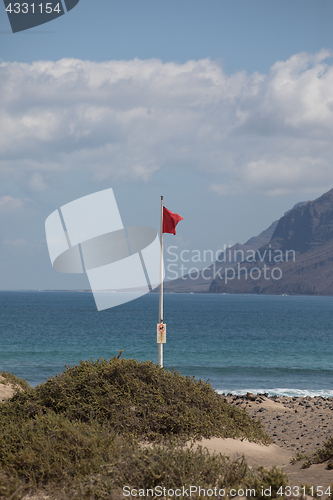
(324,454)
(9,378)
(81,434)
(140,399)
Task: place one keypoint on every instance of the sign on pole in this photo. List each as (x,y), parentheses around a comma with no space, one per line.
(161,333)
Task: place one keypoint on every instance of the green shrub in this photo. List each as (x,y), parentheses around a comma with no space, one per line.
(324,454)
(11,486)
(77,435)
(140,399)
(51,447)
(88,460)
(298,457)
(9,378)
(273,478)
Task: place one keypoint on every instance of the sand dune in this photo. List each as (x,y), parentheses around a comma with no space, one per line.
(294,424)
(6,389)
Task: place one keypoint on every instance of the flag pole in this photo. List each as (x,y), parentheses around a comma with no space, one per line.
(160,312)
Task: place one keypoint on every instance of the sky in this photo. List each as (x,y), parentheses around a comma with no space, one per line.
(223,107)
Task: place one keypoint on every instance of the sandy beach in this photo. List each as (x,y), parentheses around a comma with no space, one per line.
(6,389)
(294,424)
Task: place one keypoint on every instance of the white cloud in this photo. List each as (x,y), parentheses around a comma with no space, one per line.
(128,119)
(10,205)
(37,182)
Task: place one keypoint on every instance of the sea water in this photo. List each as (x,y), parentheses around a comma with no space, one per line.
(276,344)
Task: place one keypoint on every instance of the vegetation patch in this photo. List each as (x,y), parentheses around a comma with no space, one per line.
(324,454)
(135,398)
(9,378)
(80,434)
(298,457)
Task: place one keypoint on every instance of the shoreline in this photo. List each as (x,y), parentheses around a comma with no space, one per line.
(283,393)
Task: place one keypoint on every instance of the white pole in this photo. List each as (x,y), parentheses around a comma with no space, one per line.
(160,312)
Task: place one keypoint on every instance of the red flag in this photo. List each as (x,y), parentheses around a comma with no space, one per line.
(170,221)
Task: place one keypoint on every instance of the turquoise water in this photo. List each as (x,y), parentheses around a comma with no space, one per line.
(275,344)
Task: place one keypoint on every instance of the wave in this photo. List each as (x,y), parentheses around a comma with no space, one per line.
(301,393)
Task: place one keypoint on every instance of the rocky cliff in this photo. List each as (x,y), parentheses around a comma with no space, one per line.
(297,260)
(201,283)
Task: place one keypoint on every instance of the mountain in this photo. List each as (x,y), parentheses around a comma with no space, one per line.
(201,282)
(297,260)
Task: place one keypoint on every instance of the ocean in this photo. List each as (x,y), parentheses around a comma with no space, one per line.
(275,344)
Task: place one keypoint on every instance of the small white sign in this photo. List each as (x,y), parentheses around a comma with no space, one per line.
(161,333)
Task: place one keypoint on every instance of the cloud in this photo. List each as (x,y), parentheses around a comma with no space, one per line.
(127,120)
(9,205)
(37,182)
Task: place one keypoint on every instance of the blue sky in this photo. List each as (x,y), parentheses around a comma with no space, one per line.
(246,35)
(224,107)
